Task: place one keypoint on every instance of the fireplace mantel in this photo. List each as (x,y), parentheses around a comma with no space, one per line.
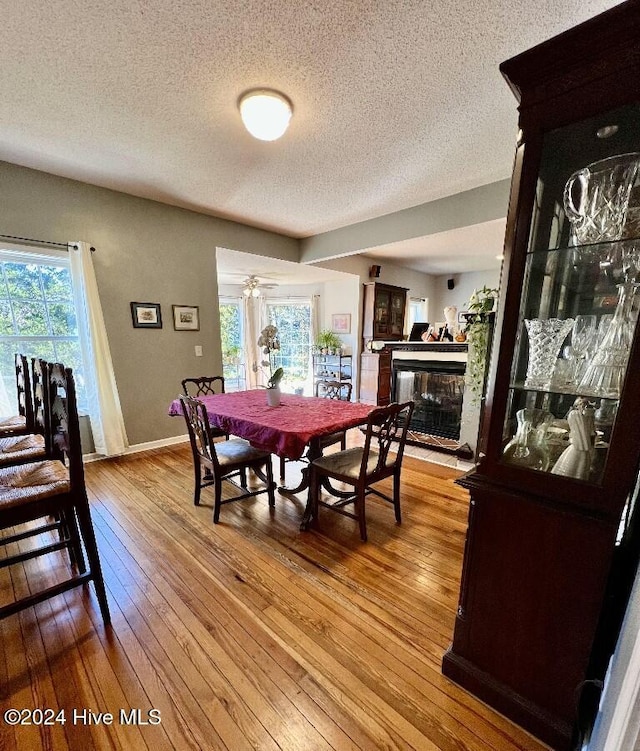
(426,346)
(431,351)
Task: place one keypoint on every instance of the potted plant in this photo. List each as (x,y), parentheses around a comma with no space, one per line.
(273,387)
(478,330)
(328,342)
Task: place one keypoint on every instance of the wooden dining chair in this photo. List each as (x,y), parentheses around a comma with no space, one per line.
(363,466)
(53,488)
(34,446)
(224,460)
(206,386)
(22,422)
(327,390)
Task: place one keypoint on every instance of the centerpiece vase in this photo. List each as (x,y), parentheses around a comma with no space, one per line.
(545,340)
(273,396)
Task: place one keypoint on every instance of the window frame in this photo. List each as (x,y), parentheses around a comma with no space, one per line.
(12,253)
(239,382)
(307,384)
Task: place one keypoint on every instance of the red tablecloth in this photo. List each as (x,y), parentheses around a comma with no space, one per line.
(285,430)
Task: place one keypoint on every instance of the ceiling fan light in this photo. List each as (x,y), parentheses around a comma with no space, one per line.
(251,286)
(266,114)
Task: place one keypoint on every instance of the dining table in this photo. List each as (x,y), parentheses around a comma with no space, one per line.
(293,429)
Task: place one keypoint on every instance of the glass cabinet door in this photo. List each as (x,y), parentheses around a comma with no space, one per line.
(579,309)
(397,312)
(381,312)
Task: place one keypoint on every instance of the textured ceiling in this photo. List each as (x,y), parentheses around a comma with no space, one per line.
(395,102)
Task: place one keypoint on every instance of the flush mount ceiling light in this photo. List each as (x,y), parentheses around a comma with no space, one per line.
(265,113)
(607,131)
(251,287)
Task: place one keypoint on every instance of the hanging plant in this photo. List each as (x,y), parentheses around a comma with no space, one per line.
(478,331)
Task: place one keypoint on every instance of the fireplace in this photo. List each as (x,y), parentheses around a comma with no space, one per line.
(436,387)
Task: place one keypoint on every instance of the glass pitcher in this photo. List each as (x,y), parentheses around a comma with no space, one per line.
(596,198)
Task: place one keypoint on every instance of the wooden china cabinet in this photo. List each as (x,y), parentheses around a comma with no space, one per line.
(383,312)
(383,315)
(552,498)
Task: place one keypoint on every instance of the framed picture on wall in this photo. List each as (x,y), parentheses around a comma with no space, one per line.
(341,323)
(186,318)
(146,315)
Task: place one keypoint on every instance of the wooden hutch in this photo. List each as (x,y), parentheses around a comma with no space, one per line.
(383,320)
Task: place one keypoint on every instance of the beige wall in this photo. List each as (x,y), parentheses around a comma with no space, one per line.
(464,285)
(147,252)
(152,252)
(419,285)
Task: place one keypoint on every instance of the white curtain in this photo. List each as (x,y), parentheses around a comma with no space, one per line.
(315,317)
(250,344)
(407,317)
(105,413)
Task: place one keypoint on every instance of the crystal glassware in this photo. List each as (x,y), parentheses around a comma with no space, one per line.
(545,339)
(596,198)
(603,327)
(528,448)
(604,375)
(583,337)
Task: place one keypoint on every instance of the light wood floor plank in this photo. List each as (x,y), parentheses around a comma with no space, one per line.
(251,634)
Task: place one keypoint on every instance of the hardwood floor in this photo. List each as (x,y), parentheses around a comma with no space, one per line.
(250,634)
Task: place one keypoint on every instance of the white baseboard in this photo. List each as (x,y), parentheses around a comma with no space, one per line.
(135,449)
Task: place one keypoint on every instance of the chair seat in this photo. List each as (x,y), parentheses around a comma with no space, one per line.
(13,425)
(32,482)
(347,463)
(238,451)
(21,448)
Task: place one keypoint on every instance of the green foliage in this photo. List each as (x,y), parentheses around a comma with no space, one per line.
(478,339)
(230,327)
(478,329)
(328,340)
(482,300)
(36,300)
(275,379)
(293,321)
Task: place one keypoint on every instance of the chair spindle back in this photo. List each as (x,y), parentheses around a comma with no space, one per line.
(23,388)
(65,426)
(334,390)
(387,426)
(195,415)
(203,386)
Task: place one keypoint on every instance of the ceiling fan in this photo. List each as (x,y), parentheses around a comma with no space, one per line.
(252,286)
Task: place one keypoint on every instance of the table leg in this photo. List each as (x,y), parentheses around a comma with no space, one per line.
(313,452)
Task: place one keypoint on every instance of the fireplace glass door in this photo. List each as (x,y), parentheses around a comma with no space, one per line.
(436,388)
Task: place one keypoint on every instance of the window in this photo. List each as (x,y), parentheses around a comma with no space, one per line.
(417,311)
(231,337)
(37,318)
(293,320)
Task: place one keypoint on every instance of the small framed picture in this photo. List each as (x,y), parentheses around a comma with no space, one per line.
(146,315)
(341,323)
(186,318)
